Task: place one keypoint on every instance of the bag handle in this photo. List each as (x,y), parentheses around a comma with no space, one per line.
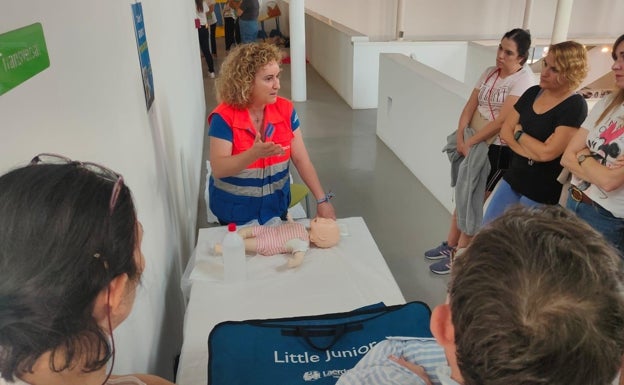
(309,332)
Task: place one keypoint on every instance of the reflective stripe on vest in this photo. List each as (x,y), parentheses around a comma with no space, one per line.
(256,182)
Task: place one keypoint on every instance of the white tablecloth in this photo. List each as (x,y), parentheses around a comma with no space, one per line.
(342,278)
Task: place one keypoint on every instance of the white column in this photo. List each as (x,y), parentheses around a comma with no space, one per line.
(562,21)
(400,22)
(527,14)
(296,10)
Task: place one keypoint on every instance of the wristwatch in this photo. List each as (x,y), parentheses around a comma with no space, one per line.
(518,134)
(581,158)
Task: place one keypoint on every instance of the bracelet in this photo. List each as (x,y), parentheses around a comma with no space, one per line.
(326,198)
(518,134)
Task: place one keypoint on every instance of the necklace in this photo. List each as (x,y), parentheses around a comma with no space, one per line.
(256,118)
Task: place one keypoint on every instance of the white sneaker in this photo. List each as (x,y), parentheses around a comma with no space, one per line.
(212,75)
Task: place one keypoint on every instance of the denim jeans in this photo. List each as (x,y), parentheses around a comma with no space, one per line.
(601,220)
(504,197)
(248,30)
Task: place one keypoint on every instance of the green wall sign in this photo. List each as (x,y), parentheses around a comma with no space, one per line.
(23,54)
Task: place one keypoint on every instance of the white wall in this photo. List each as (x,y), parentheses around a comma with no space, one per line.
(441,55)
(600,64)
(419,106)
(469,20)
(329,47)
(348,59)
(89,105)
(349,62)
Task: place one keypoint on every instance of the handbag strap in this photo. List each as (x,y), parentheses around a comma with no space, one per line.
(310,332)
(489,95)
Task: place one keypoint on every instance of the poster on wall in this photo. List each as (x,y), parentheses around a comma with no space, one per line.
(23,54)
(144,59)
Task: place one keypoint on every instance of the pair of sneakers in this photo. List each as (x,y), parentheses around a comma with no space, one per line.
(443,256)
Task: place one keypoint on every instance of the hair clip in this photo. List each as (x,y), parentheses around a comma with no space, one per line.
(105,263)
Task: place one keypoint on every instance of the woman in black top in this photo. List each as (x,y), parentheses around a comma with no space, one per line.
(538,130)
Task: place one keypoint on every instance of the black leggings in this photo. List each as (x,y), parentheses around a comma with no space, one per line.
(204,44)
(232,32)
(213,38)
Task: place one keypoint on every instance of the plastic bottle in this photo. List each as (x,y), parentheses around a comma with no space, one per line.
(234,260)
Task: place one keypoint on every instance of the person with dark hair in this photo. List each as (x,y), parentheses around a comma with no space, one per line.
(70,263)
(254,135)
(594,156)
(538,130)
(204,15)
(493,96)
(536,298)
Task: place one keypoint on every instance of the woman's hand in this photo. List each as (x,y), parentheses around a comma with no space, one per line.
(265,149)
(325,210)
(225,164)
(463,148)
(419,370)
(619,162)
(466,146)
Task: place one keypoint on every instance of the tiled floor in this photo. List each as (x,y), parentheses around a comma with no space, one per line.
(369,181)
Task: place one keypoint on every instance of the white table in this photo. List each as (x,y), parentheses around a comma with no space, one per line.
(347,276)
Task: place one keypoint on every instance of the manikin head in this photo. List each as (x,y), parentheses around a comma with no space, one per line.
(324,232)
(535,299)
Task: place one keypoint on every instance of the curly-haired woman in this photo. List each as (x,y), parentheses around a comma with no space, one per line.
(254,134)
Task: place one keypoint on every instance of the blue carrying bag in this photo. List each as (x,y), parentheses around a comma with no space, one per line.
(302,350)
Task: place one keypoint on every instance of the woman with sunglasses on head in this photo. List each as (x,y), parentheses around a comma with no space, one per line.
(70,263)
(254,135)
(543,122)
(595,158)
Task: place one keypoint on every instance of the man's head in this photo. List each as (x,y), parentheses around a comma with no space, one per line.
(536,299)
